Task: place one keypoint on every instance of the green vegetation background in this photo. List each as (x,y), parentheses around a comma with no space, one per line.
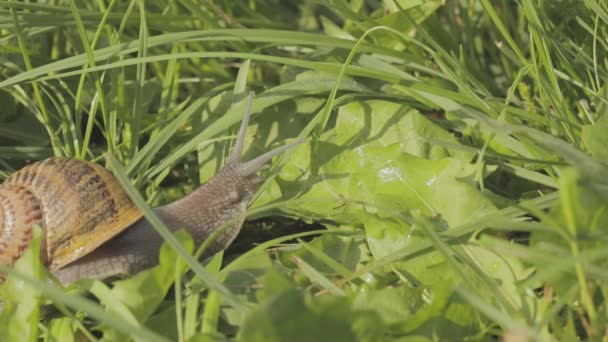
(455,169)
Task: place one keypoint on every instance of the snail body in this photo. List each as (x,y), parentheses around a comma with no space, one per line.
(93,230)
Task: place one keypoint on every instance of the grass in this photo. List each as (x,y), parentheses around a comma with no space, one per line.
(455,161)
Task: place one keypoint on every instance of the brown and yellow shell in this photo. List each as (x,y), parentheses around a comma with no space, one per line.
(78,204)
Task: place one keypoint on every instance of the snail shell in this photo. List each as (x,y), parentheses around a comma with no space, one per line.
(78,204)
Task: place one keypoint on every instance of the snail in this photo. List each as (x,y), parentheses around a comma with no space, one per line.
(93,230)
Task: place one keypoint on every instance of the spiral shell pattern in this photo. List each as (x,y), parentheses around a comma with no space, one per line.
(78,204)
(18,208)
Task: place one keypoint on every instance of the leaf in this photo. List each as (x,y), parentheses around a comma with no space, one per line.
(505,271)
(139,296)
(582,212)
(274,282)
(20,314)
(382,123)
(344,254)
(62,329)
(143,292)
(164,322)
(293,316)
(415,11)
(388,183)
(595,138)
(393,304)
(443,318)
(578,221)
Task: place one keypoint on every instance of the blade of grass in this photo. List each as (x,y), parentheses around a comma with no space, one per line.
(317,277)
(44,115)
(260,36)
(211,313)
(99,89)
(140,80)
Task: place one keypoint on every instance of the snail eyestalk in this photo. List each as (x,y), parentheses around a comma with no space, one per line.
(237,150)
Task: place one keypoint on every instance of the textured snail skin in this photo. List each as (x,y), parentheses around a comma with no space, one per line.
(222,199)
(95,231)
